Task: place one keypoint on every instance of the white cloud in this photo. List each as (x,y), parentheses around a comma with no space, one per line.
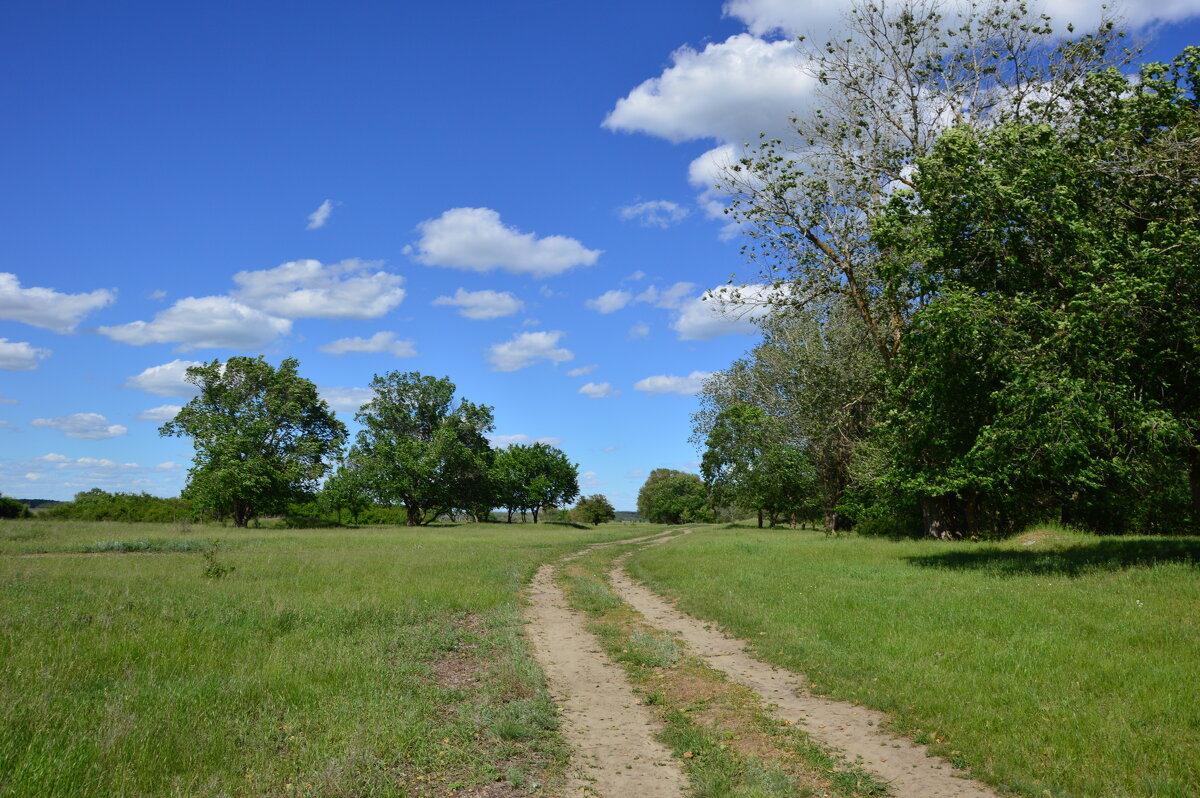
(318,218)
(638,275)
(20,356)
(589,479)
(787,16)
(598,390)
(638,331)
(7,425)
(654,213)
(731,91)
(160,413)
(157,295)
(526,349)
(383,341)
(4,400)
(609,449)
(170,465)
(482,305)
(671,298)
(45,307)
(579,372)
(475,239)
(681,386)
(504,441)
(84,426)
(722,311)
(346,400)
(610,301)
(205,322)
(169,379)
(308,289)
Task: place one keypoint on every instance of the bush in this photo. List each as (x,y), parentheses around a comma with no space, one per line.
(11,508)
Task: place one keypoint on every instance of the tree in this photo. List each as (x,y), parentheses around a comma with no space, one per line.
(420,449)
(594,510)
(673,497)
(530,477)
(347,488)
(263,437)
(1057,366)
(889,88)
(12,508)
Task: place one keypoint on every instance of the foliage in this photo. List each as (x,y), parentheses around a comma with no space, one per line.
(347,488)
(263,437)
(594,510)
(100,505)
(673,497)
(11,508)
(418,449)
(526,478)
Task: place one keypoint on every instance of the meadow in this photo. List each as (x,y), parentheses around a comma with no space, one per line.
(1054,664)
(137,659)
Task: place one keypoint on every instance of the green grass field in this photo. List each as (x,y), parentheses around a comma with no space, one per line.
(362,662)
(1051,665)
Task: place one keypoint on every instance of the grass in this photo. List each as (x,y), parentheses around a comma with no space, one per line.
(380,661)
(1054,664)
(730,746)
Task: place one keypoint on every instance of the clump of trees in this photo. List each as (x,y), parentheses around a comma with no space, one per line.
(100,505)
(265,441)
(987,305)
(12,508)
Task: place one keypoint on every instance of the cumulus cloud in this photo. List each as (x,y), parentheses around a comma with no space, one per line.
(170,465)
(84,426)
(346,400)
(654,213)
(589,479)
(610,301)
(671,298)
(308,289)
(526,349)
(598,390)
(722,311)
(504,441)
(680,386)
(380,342)
(160,413)
(639,331)
(318,218)
(579,372)
(731,91)
(482,305)
(169,379)
(476,240)
(204,323)
(20,356)
(45,307)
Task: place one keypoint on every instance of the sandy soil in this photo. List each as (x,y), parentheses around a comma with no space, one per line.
(612,735)
(851,729)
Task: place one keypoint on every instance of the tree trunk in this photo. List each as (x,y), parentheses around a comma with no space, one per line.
(414,514)
(939,517)
(760,519)
(534,512)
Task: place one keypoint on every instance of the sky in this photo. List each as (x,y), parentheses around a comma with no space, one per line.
(517,196)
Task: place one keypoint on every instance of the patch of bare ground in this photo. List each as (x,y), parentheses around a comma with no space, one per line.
(854,731)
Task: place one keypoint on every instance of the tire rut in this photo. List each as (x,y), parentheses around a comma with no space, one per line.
(908,767)
(610,733)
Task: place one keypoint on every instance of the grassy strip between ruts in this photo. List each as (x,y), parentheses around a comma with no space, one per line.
(1055,664)
(364,662)
(729,744)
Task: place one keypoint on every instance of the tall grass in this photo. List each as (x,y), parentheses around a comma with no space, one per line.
(1054,664)
(368,662)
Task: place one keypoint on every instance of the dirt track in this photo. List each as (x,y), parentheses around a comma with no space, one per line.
(612,735)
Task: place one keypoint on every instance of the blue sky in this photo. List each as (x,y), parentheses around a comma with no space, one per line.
(517,196)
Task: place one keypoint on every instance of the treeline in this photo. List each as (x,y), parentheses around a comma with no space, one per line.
(985,261)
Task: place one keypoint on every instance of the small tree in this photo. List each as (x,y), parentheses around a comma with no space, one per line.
(528,478)
(347,489)
(673,497)
(594,510)
(263,437)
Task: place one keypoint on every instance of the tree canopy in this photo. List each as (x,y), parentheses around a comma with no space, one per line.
(673,497)
(263,437)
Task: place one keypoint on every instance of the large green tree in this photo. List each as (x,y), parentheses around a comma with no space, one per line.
(263,437)
(528,477)
(594,510)
(1057,365)
(420,449)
